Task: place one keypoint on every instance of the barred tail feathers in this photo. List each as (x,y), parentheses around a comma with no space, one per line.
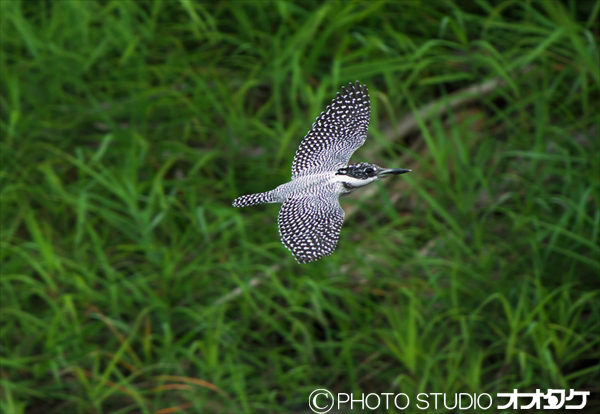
(252,199)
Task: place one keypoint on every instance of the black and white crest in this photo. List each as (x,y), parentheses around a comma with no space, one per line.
(360,171)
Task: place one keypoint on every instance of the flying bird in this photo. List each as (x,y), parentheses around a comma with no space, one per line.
(311,217)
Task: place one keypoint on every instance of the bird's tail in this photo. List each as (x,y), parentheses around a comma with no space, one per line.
(252,199)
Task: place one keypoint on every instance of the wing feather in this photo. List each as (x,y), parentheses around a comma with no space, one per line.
(310,225)
(339,131)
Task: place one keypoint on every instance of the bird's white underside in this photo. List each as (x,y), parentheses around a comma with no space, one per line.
(354,182)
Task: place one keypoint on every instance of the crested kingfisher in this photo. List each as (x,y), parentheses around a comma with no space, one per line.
(311,217)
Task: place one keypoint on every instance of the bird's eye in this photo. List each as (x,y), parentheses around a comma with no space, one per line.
(369,170)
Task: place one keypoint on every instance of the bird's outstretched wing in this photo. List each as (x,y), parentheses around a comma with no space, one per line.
(339,131)
(309,225)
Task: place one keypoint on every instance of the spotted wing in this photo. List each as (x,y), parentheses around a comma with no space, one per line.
(339,131)
(310,225)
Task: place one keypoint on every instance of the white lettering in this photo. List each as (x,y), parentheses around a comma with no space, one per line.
(435,395)
(387,400)
(396,401)
(339,399)
(362,401)
(455,402)
(367,399)
(425,401)
(479,403)
(460,407)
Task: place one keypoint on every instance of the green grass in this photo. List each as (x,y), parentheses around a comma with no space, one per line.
(129,127)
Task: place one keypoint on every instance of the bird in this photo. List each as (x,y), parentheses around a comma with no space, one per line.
(310,218)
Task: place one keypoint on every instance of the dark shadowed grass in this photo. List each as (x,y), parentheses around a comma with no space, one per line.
(130,284)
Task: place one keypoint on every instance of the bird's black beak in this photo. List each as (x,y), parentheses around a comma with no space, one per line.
(384,172)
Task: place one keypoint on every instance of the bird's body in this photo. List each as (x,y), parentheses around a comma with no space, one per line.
(330,182)
(311,217)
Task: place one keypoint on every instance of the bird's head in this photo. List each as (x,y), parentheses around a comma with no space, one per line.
(358,175)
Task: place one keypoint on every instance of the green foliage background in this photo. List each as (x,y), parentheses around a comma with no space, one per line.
(129,283)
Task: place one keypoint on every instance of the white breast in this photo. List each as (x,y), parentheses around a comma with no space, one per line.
(354,182)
